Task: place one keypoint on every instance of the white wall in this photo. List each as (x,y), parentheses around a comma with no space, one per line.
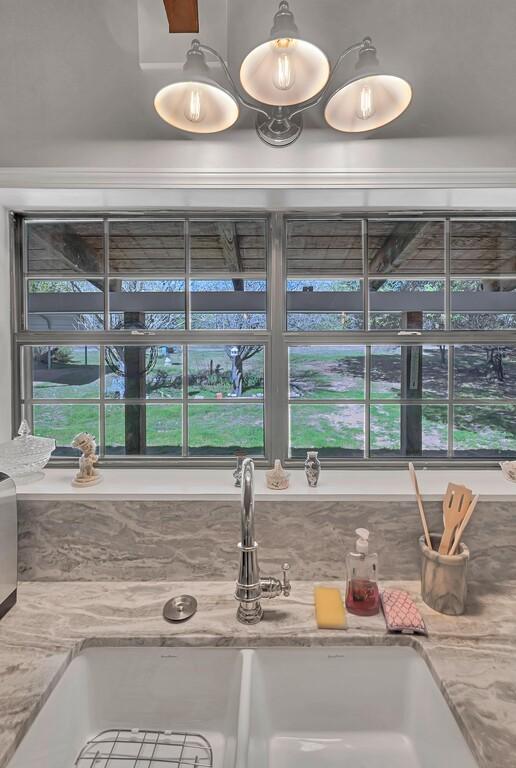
(73,93)
(242,151)
(5,330)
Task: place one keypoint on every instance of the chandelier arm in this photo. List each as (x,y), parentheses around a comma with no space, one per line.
(320,97)
(232,82)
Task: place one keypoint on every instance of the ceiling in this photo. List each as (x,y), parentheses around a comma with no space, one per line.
(71,71)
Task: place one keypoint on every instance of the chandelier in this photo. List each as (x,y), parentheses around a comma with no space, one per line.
(284,76)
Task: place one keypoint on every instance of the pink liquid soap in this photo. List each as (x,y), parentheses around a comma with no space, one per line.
(362,597)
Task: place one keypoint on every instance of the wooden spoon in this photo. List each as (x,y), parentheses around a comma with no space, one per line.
(415,483)
(455,506)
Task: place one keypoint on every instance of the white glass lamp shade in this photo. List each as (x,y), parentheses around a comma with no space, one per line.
(284,71)
(367,103)
(196,106)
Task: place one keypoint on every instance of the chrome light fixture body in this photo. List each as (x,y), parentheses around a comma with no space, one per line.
(284,76)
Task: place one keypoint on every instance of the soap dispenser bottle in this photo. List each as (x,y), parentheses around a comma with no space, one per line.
(362,595)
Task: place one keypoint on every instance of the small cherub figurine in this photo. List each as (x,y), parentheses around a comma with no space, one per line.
(87,474)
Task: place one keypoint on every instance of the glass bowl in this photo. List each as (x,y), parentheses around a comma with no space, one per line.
(24,457)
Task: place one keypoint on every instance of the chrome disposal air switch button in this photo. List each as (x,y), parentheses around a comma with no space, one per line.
(180,608)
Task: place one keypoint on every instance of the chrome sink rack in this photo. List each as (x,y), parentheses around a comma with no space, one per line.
(135,748)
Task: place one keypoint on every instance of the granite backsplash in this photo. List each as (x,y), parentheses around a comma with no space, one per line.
(181,541)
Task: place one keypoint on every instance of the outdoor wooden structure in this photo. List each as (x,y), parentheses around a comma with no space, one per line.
(313,246)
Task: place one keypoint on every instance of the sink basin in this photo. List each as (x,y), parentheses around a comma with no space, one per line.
(346,707)
(351,707)
(180,689)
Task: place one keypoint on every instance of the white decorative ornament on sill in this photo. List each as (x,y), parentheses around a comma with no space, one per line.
(87,474)
(277,479)
(509,470)
(24,457)
(284,76)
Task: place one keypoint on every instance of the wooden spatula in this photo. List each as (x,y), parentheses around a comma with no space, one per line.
(462,526)
(455,505)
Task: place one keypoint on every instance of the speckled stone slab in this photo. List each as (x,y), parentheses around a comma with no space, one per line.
(190,540)
(471,657)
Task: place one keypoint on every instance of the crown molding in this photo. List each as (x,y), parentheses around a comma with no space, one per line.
(170,178)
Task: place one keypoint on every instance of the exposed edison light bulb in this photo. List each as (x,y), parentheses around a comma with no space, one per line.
(284,75)
(193,109)
(366,107)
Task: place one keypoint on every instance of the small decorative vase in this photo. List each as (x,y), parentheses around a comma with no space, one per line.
(312,468)
(277,479)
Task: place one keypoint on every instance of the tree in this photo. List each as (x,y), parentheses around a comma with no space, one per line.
(495,356)
(238,355)
(52,356)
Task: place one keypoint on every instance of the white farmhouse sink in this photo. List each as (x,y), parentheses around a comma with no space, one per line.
(180,689)
(351,707)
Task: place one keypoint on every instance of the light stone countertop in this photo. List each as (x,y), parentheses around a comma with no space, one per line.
(472,658)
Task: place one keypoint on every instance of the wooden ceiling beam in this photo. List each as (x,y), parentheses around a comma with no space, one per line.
(182,15)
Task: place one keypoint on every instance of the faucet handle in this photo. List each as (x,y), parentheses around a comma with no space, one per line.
(286,587)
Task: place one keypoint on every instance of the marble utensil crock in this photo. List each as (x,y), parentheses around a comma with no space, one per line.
(443,577)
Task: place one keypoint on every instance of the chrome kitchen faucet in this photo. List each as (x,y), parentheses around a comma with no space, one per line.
(250,588)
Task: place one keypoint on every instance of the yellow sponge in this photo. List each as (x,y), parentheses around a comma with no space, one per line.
(329,608)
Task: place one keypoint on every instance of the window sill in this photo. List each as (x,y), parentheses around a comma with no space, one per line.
(217,485)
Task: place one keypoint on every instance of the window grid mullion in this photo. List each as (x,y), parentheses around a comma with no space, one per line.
(27,387)
(365,325)
(277,404)
(451,397)
(107,314)
(365,279)
(185,401)
(188,302)
(447,279)
(448,326)
(367,412)
(185,411)
(102,403)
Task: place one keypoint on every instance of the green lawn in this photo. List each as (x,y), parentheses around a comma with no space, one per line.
(316,373)
(332,429)
(77,377)
(324,373)
(164,429)
(226,428)
(63,421)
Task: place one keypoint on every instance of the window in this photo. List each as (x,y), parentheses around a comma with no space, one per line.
(152,334)
(192,338)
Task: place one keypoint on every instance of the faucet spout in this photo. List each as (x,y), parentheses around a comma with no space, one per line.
(247,506)
(250,588)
